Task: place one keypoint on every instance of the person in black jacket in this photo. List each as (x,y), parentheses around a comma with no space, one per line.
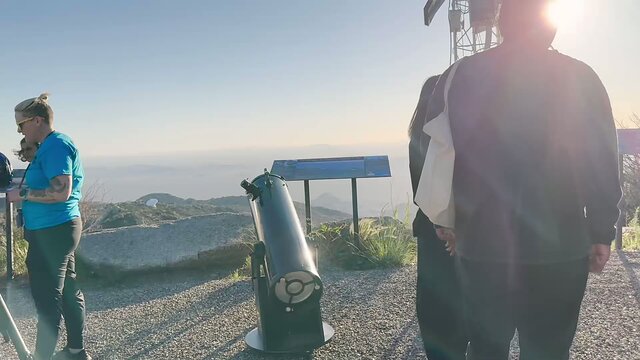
(535,186)
(438,297)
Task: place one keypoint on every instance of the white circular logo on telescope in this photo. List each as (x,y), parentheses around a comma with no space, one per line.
(295,287)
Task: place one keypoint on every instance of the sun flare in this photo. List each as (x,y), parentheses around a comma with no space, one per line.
(565,13)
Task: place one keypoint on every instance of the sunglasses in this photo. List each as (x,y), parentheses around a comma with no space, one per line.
(23,122)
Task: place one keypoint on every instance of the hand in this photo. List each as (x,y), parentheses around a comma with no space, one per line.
(599,256)
(13,196)
(447,235)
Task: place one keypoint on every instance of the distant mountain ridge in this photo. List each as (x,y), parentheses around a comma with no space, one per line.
(331,201)
(164,198)
(171,207)
(215,174)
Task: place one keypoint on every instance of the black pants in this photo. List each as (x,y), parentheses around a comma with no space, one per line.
(541,301)
(52,276)
(439,301)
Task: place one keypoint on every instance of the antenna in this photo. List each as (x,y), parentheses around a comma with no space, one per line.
(472,25)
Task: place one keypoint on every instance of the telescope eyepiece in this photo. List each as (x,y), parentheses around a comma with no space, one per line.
(251,188)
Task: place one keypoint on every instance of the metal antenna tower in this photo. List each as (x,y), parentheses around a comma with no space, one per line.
(472,25)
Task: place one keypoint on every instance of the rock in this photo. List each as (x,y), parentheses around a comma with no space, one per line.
(213,238)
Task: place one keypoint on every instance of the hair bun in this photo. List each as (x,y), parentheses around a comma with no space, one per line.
(43,98)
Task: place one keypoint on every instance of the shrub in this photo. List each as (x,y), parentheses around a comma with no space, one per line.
(631,237)
(387,242)
(383,242)
(334,242)
(243,272)
(20,247)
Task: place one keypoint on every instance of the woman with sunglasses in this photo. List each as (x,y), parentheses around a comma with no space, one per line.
(50,205)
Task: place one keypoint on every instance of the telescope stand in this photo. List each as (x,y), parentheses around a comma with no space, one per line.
(10,332)
(260,338)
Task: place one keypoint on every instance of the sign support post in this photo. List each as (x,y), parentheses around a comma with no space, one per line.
(307,207)
(354,199)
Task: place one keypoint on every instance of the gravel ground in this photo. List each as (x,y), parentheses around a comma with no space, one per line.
(204,315)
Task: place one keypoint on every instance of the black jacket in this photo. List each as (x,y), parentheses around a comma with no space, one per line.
(536,171)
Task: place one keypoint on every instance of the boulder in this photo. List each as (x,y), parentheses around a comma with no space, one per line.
(212,238)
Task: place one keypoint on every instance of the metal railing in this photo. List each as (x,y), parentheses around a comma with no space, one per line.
(8,219)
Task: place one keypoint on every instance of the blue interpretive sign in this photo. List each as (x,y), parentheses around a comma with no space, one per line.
(333,168)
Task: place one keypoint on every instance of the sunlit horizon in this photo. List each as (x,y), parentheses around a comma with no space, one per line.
(129,78)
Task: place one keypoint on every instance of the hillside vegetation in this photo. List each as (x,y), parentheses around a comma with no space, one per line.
(171,208)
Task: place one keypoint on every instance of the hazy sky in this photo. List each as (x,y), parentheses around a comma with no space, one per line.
(142,77)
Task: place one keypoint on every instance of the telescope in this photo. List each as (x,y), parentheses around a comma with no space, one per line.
(284,275)
(10,332)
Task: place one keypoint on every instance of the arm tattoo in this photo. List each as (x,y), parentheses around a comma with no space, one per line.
(58,186)
(56,192)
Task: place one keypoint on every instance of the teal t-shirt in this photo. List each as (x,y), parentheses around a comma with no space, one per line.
(57,155)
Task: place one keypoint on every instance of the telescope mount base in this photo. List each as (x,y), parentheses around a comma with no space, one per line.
(254,341)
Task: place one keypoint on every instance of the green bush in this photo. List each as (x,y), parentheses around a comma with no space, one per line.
(334,243)
(631,237)
(20,247)
(387,242)
(243,272)
(383,242)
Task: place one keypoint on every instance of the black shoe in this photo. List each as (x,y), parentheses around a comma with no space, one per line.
(65,354)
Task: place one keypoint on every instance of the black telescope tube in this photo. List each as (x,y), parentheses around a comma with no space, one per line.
(291,267)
